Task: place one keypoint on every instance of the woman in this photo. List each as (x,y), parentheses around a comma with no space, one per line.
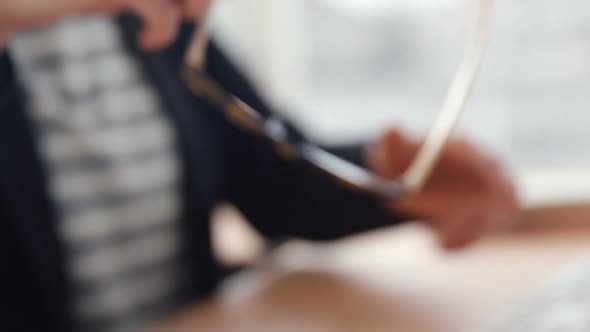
(111,167)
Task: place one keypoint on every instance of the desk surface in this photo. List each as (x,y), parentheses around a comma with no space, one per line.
(394,280)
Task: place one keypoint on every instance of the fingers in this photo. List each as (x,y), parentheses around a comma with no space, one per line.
(488,174)
(391,154)
(493,206)
(504,203)
(468,194)
(460,155)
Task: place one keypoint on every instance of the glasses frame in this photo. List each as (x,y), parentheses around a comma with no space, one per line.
(273,129)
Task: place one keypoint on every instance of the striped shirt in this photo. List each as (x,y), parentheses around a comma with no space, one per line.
(113,170)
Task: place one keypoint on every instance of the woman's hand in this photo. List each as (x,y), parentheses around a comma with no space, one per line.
(161,17)
(466,195)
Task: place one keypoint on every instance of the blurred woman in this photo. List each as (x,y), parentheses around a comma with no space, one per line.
(110,169)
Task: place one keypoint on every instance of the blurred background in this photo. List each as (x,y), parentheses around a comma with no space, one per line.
(343,69)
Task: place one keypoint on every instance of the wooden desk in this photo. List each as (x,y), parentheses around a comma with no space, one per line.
(394,280)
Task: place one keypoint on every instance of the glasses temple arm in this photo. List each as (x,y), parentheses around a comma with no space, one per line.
(197,52)
(420,169)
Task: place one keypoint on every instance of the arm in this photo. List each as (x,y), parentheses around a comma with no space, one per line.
(466,195)
(283,198)
(290,199)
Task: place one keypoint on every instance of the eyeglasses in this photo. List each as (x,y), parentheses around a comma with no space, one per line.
(275,131)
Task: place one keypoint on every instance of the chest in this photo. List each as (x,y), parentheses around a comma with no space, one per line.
(67,157)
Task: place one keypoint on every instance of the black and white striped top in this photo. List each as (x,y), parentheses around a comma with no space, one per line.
(114,172)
